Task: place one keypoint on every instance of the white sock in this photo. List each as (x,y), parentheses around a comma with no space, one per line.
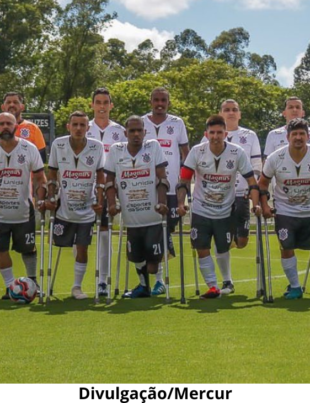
(30,261)
(290,269)
(159,274)
(79,272)
(223,262)
(207,269)
(104,257)
(7,275)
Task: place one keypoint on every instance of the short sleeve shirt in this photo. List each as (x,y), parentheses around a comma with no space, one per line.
(31,132)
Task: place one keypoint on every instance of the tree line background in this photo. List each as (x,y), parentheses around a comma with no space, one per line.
(57,56)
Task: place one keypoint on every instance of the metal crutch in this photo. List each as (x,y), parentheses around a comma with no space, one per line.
(42,256)
(164,223)
(262,261)
(50,252)
(55,270)
(108,300)
(306,277)
(194,255)
(183,300)
(270,297)
(118,267)
(98,224)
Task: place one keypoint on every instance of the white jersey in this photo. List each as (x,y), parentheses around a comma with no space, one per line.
(171,134)
(292,190)
(15,181)
(113,133)
(77,175)
(275,139)
(248,140)
(136,178)
(214,191)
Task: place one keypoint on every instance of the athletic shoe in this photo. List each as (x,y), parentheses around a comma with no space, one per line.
(293,293)
(77,293)
(228,288)
(102,290)
(213,292)
(159,288)
(6,295)
(138,292)
(288,289)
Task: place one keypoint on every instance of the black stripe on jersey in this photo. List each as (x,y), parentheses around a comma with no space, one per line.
(39,170)
(217,163)
(297,170)
(163,164)
(76,161)
(53,168)
(8,158)
(157,130)
(256,156)
(248,175)
(101,134)
(267,177)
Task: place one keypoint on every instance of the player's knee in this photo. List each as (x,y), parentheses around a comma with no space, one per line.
(81,253)
(287,254)
(152,267)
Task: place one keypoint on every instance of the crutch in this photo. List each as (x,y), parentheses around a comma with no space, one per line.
(307,278)
(127,276)
(42,256)
(270,297)
(55,270)
(259,289)
(98,224)
(50,252)
(118,267)
(164,223)
(189,199)
(262,261)
(108,300)
(183,301)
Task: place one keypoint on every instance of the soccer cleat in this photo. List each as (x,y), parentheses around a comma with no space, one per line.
(213,292)
(288,289)
(77,293)
(228,288)
(293,293)
(159,288)
(102,290)
(138,292)
(6,295)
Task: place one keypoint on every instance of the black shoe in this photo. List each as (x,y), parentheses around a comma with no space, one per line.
(6,295)
(102,290)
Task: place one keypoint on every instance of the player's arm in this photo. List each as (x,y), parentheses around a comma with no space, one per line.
(100,181)
(52,188)
(183,188)
(41,188)
(162,186)
(254,194)
(263,184)
(40,143)
(256,157)
(184,148)
(110,192)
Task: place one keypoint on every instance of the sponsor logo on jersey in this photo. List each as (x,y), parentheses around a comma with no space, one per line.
(21,159)
(77,174)
(64,184)
(115,136)
(297,182)
(164,142)
(217,178)
(230,164)
(170,130)
(146,158)
(90,160)
(123,185)
(9,173)
(106,147)
(234,150)
(61,145)
(243,140)
(25,133)
(64,159)
(92,146)
(135,173)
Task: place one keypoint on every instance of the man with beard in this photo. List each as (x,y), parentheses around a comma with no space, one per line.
(13,102)
(19,159)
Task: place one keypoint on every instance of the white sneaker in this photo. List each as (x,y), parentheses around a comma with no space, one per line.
(77,293)
(228,288)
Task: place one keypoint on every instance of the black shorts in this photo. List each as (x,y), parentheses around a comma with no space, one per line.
(145,243)
(104,215)
(202,230)
(67,233)
(23,236)
(293,232)
(242,217)
(172,217)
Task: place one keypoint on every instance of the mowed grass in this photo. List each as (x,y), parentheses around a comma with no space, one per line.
(235,339)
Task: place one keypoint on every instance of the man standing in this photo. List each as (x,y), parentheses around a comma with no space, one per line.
(108,132)
(290,168)
(215,164)
(18,160)
(13,102)
(138,168)
(171,134)
(79,163)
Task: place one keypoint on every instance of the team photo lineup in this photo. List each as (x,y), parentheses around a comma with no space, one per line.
(145,176)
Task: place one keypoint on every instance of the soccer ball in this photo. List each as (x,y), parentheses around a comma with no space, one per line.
(23,290)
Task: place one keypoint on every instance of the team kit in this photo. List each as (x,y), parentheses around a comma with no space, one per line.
(145,173)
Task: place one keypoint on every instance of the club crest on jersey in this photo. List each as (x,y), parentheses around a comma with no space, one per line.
(194,233)
(90,160)
(58,229)
(170,130)
(115,136)
(230,164)
(25,133)
(123,185)
(21,159)
(146,158)
(283,234)
(243,140)
(64,184)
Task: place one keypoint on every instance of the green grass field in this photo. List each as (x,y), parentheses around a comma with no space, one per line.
(235,339)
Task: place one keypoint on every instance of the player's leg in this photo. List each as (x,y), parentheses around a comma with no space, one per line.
(287,229)
(136,254)
(104,253)
(201,235)
(223,230)
(6,264)
(242,221)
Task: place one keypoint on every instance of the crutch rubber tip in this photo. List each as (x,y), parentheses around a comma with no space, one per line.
(183,301)
(197,292)
(96,300)
(108,301)
(270,300)
(116,291)
(303,289)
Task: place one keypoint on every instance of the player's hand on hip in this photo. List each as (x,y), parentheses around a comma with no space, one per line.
(161,209)
(50,204)
(113,210)
(257,210)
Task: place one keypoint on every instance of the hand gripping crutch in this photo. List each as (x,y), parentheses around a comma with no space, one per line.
(42,222)
(165,236)
(306,276)
(183,301)
(189,199)
(270,297)
(98,224)
(50,252)
(108,300)
(119,254)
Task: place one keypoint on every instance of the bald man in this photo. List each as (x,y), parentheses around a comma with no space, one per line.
(19,160)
